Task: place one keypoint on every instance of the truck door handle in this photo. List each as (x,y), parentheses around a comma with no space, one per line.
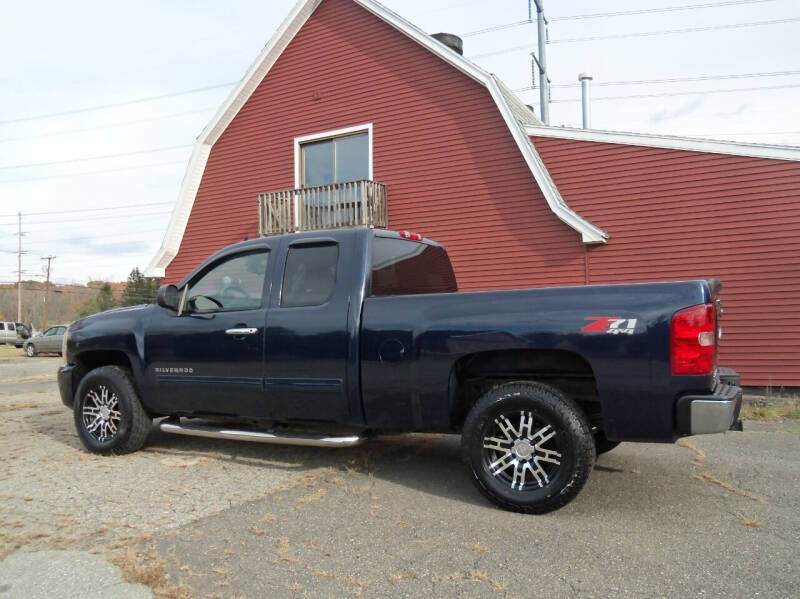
(241,332)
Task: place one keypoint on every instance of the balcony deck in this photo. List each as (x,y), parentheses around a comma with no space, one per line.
(351,204)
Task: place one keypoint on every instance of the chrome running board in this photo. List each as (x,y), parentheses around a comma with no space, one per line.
(175,427)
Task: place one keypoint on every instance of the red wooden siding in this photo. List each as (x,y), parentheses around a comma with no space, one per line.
(676,214)
(452,168)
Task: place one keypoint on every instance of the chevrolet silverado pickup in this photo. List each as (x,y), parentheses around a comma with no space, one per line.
(325,338)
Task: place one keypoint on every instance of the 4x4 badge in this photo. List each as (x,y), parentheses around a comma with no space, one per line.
(613,325)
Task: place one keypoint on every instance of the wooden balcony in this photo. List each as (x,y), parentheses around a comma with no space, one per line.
(352,204)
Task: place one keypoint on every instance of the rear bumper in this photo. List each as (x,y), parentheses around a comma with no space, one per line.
(714,413)
(65,389)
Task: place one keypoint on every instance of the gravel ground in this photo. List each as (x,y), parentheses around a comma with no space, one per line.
(56,495)
(717,515)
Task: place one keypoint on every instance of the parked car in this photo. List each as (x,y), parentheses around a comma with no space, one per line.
(48,342)
(324,338)
(13,333)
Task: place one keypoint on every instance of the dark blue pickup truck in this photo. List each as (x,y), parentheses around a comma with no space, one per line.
(327,337)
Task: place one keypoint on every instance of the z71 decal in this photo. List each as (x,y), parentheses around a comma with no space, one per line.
(613,325)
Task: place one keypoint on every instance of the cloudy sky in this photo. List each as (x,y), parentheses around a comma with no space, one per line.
(96,185)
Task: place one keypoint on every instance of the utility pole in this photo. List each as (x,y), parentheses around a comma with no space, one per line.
(541,59)
(46,289)
(19,267)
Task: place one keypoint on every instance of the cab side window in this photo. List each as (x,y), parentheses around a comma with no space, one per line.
(310,275)
(234,283)
(401,267)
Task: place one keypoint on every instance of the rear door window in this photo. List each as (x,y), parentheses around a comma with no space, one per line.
(310,275)
(401,267)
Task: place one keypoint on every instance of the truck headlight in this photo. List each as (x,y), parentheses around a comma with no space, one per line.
(64,341)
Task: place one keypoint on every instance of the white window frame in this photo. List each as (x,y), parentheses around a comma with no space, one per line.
(298,156)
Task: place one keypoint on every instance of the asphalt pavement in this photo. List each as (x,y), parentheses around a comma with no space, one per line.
(716,516)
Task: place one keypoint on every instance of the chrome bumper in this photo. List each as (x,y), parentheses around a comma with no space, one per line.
(714,413)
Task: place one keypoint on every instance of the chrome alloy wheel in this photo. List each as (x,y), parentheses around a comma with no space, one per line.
(526,456)
(101,415)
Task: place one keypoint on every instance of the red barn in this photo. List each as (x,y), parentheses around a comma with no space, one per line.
(347,90)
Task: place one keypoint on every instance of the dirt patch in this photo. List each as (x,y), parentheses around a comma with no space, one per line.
(8,352)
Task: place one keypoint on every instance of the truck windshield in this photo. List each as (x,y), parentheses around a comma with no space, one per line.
(401,267)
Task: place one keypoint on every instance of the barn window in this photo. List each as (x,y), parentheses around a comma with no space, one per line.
(335,160)
(334,156)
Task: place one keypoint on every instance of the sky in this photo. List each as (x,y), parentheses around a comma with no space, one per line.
(96,186)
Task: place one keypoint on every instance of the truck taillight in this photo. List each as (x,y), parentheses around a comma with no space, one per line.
(693,340)
(410,235)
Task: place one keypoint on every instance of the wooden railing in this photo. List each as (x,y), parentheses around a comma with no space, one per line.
(350,204)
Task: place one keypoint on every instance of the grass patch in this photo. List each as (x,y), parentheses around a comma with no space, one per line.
(773,413)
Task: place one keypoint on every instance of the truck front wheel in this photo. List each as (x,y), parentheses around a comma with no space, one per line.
(529,447)
(109,417)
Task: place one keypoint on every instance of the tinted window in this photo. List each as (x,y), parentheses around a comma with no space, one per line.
(2,326)
(11,326)
(235,283)
(401,267)
(310,275)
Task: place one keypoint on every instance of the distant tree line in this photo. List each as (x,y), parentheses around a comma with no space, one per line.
(67,303)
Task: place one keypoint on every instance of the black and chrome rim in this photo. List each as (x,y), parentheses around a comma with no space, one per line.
(100,413)
(522,450)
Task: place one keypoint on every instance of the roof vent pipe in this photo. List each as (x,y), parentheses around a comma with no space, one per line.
(585,78)
(455,43)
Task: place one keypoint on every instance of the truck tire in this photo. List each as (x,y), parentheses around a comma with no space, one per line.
(529,447)
(602,444)
(108,415)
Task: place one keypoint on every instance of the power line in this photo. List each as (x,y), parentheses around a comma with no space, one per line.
(49,212)
(73,160)
(643,11)
(497,28)
(120,236)
(670,80)
(592,38)
(95,172)
(669,94)
(108,126)
(113,217)
(118,104)
(640,34)
(613,14)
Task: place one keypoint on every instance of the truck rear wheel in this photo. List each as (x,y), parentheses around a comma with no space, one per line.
(108,415)
(530,448)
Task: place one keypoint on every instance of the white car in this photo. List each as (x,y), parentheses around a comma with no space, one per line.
(13,333)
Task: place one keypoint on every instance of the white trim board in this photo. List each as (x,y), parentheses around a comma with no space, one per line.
(673,142)
(267,58)
(298,141)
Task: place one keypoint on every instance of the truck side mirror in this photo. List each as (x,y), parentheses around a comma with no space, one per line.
(168,297)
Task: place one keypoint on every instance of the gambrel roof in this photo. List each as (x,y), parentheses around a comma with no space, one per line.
(515,114)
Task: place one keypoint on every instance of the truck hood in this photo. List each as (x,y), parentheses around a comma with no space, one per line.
(111,315)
